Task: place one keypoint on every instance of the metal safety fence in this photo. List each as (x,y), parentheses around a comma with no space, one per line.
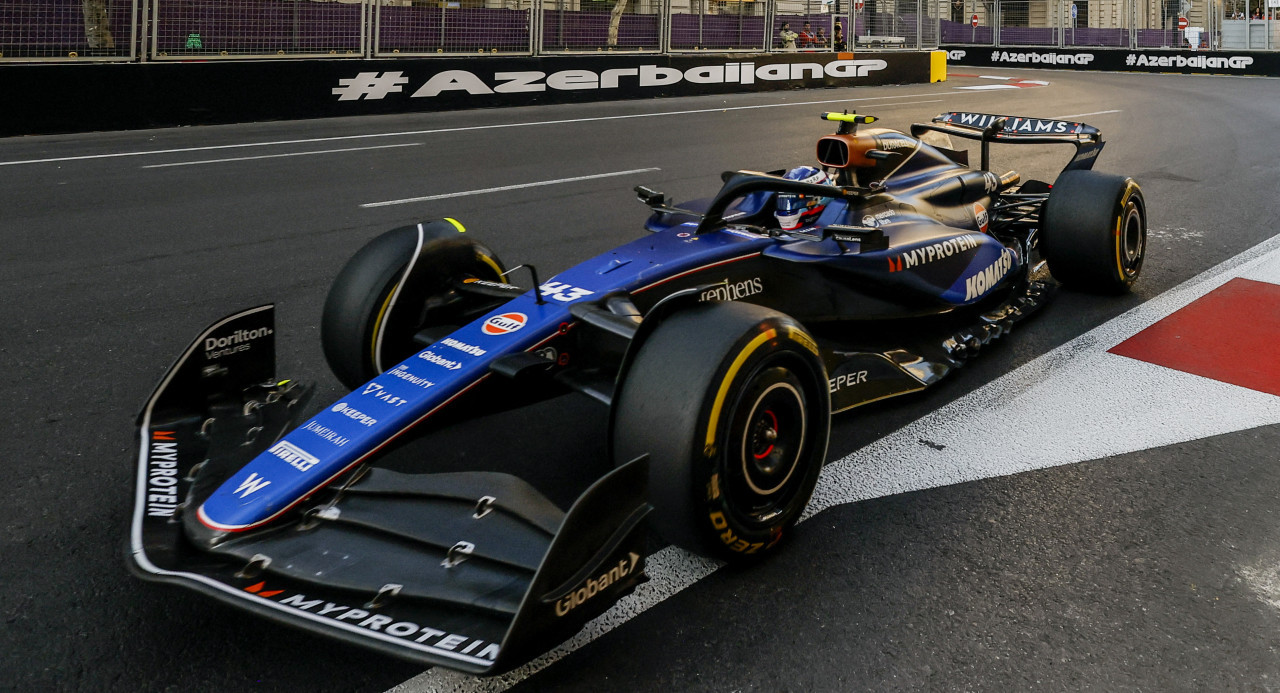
(1130,24)
(70,30)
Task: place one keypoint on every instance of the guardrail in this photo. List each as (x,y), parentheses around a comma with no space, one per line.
(174,30)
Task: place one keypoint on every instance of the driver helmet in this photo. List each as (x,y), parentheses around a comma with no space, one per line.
(793,210)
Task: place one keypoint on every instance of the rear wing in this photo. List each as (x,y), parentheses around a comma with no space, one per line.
(987,128)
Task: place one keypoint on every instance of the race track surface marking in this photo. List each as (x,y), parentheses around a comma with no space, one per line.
(504,188)
(1078,402)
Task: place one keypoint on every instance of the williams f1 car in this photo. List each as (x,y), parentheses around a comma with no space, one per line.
(721,343)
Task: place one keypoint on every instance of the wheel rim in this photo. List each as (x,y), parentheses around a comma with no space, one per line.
(769,433)
(1132,241)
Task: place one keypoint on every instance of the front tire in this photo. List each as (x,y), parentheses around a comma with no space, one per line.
(397,284)
(730,401)
(1094,231)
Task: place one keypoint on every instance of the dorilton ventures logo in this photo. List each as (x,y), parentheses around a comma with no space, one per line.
(372,86)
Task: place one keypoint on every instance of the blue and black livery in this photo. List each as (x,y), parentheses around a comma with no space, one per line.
(720,343)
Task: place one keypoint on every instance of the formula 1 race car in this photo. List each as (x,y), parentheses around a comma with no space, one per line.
(720,342)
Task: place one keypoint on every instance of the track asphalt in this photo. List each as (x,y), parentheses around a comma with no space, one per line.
(1074,510)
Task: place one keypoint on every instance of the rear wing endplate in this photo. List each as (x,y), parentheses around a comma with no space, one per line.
(987,128)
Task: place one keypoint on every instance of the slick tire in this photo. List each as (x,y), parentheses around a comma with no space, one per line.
(397,284)
(730,402)
(1094,231)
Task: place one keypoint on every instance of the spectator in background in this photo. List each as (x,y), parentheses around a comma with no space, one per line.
(787,36)
(807,39)
(821,39)
(839,38)
(1257,14)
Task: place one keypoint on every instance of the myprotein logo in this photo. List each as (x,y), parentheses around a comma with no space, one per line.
(1199,62)
(162,474)
(1042,58)
(372,86)
(934,251)
(442,642)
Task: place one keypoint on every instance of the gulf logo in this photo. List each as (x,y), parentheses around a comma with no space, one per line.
(502,324)
(980,216)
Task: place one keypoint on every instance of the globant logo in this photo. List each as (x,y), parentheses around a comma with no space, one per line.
(1042,58)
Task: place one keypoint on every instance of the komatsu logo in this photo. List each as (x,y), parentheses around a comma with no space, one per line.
(372,86)
(463,346)
(984,281)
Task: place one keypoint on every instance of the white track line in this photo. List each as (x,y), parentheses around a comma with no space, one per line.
(411,133)
(1126,405)
(1083,115)
(518,186)
(278,156)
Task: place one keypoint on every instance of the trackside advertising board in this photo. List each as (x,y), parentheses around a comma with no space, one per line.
(1112,60)
(46,98)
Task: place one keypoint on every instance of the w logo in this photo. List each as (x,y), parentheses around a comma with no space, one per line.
(251,485)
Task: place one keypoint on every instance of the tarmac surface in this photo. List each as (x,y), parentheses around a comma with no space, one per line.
(1142,566)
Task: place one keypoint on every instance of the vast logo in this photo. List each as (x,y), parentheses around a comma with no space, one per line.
(372,86)
(505,323)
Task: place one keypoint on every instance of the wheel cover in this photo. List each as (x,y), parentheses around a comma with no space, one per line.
(1132,240)
(768,440)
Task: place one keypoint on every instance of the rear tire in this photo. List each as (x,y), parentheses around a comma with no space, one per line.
(730,401)
(397,284)
(1094,231)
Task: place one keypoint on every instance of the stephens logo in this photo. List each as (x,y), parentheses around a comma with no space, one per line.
(733,292)
(505,323)
(980,216)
